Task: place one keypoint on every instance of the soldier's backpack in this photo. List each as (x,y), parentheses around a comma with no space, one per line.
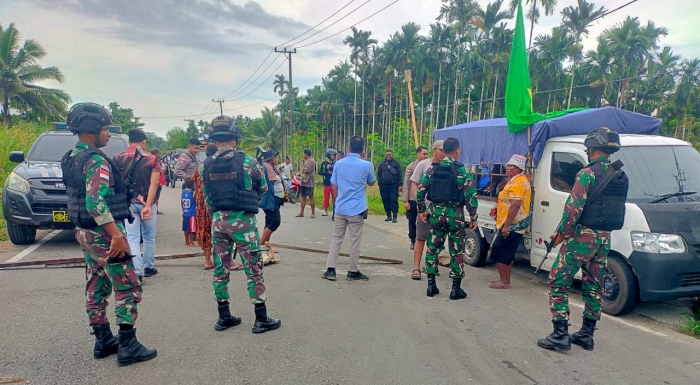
(443,185)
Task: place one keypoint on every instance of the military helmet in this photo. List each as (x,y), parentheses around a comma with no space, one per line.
(88,117)
(330,152)
(603,138)
(223,129)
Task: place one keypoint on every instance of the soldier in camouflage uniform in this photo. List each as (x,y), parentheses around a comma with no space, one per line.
(586,237)
(449,187)
(233,185)
(98,203)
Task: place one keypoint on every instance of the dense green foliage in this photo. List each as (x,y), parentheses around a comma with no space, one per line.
(459,67)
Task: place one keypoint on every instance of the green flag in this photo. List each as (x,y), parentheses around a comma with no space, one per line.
(519,112)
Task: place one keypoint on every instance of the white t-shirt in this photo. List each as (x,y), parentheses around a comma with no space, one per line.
(420,170)
(286,170)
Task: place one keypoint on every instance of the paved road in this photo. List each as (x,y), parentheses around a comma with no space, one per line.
(383,331)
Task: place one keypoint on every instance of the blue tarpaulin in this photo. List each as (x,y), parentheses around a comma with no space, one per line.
(489,140)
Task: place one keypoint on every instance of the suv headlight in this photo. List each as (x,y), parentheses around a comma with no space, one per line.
(17,183)
(657,243)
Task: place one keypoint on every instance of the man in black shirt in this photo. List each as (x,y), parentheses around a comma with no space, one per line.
(390,180)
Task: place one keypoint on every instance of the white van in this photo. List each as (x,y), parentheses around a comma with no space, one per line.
(656,255)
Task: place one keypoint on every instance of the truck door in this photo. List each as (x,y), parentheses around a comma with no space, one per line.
(556,174)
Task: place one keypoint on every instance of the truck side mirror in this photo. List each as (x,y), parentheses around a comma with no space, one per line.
(17,156)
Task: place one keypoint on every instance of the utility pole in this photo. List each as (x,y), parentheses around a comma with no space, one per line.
(288,55)
(221,107)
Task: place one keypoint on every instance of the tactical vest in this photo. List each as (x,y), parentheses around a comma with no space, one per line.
(226,190)
(443,185)
(607,212)
(118,203)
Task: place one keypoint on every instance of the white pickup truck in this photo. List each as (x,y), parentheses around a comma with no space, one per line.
(656,255)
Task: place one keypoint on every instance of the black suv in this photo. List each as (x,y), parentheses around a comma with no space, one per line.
(34,196)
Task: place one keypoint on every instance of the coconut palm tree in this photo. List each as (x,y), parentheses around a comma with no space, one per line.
(533,14)
(576,21)
(19,70)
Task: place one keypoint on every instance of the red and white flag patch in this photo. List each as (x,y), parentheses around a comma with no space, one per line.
(104,172)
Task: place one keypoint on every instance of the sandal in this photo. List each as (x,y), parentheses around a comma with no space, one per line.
(416,275)
(499,285)
(300,216)
(312,216)
(237,268)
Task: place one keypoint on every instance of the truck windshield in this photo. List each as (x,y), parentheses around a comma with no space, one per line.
(51,148)
(662,171)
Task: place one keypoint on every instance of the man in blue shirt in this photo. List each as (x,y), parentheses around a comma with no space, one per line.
(350,177)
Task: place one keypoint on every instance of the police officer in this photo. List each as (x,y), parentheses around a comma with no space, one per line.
(233,185)
(586,237)
(98,204)
(449,188)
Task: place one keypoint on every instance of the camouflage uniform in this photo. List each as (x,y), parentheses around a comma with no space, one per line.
(584,248)
(101,276)
(239,228)
(448,221)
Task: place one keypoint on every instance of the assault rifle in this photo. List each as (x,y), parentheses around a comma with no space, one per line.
(597,189)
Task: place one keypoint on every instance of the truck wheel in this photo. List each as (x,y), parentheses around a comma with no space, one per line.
(620,293)
(21,234)
(475,249)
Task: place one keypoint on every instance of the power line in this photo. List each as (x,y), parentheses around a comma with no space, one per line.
(256,79)
(341,31)
(261,84)
(334,23)
(324,20)
(251,75)
(211,113)
(614,10)
(232,93)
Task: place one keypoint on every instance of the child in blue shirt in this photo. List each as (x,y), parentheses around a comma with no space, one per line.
(189,213)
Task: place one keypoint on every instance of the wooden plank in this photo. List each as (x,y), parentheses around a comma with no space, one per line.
(298,248)
(81,261)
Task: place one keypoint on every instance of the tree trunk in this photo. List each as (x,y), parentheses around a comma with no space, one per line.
(437,108)
(469,107)
(432,107)
(495,92)
(571,85)
(422,110)
(481,98)
(549,99)
(354,108)
(374,117)
(532,27)
(6,113)
(454,100)
(362,122)
(447,104)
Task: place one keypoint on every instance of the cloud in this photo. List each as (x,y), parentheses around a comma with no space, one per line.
(216,26)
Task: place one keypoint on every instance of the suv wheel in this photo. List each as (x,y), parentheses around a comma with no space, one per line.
(21,234)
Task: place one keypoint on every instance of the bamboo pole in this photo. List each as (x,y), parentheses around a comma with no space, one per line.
(413,112)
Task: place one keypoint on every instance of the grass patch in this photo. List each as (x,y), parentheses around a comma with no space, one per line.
(374,200)
(690,324)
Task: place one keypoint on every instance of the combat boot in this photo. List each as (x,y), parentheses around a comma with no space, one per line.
(106,343)
(432,286)
(584,337)
(226,320)
(131,350)
(457,292)
(559,339)
(263,323)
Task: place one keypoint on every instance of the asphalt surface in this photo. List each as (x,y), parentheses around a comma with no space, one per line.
(384,331)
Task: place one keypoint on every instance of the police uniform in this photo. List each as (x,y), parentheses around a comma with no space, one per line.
(449,188)
(587,242)
(233,184)
(97,196)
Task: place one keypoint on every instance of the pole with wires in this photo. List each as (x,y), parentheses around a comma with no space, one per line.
(290,93)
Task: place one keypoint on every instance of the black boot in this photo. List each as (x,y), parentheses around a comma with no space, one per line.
(388,217)
(559,339)
(584,337)
(106,343)
(131,351)
(394,219)
(432,287)
(226,320)
(457,292)
(263,323)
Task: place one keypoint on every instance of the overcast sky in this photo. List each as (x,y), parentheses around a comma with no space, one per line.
(168,58)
